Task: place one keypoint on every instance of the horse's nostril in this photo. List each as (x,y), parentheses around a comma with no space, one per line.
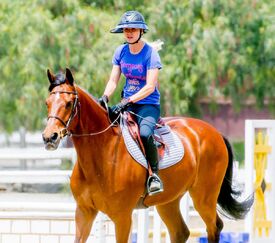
(44,139)
(54,136)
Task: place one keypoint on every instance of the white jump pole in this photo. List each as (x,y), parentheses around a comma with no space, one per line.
(143,226)
(156,227)
(251,129)
(99,228)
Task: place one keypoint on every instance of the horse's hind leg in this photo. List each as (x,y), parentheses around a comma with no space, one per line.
(206,207)
(171,216)
(83,220)
(219,225)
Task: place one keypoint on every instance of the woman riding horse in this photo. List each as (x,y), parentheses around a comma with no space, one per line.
(140,64)
(106,178)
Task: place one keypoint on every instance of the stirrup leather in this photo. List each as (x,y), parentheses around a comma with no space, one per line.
(150,178)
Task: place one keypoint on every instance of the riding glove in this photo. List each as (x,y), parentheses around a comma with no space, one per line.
(121,106)
(103,100)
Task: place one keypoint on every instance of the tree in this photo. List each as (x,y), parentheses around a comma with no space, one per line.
(55,35)
(215,48)
(211,48)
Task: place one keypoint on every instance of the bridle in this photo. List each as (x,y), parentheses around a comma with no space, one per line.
(64,132)
(74,111)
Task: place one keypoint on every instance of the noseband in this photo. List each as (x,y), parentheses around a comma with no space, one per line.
(66,124)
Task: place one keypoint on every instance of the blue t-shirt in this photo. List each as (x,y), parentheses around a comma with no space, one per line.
(134,67)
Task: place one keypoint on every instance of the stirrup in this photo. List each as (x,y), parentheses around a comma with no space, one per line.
(154,176)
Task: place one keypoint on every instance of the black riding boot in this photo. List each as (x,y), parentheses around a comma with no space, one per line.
(154,183)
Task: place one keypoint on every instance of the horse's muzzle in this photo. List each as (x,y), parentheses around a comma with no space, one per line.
(51,142)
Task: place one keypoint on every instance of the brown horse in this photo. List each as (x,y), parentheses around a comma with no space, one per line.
(107,179)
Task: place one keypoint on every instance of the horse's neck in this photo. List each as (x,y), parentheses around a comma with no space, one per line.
(93,135)
(92,118)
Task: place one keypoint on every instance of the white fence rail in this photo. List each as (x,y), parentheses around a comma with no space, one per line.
(36,154)
(25,210)
(34,221)
(35,176)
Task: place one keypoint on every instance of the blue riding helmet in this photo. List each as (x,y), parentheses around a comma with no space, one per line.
(131,19)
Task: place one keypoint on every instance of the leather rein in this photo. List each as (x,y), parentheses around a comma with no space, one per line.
(74,111)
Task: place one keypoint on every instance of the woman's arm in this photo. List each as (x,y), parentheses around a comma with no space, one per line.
(151,82)
(113,81)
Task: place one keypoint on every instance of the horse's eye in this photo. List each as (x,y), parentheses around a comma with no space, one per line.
(68,105)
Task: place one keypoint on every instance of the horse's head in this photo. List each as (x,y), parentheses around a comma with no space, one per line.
(62,107)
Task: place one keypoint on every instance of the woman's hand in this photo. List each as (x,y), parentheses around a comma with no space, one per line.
(103,100)
(122,106)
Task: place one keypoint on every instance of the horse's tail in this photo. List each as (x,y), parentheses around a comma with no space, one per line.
(232,208)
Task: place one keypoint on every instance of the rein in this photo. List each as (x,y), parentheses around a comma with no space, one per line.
(157,124)
(95,133)
(65,130)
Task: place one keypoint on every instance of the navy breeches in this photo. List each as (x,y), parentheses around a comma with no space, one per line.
(150,115)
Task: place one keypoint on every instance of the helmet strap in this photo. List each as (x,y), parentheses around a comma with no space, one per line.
(140,35)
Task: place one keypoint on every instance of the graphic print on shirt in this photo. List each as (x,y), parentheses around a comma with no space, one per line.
(134,74)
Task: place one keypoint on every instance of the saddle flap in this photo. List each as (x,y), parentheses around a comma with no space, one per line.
(134,130)
(132,126)
(173,152)
(159,131)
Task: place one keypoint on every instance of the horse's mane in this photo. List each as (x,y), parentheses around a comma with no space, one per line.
(89,95)
(86,92)
(61,79)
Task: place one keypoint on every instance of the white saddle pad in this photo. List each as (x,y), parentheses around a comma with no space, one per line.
(174,150)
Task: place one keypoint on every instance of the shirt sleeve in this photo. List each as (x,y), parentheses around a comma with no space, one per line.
(117,55)
(154,60)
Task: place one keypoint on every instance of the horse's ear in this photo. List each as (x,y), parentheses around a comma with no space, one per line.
(50,76)
(69,76)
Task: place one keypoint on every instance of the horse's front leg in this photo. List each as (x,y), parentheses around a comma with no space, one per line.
(84,219)
(123,227)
